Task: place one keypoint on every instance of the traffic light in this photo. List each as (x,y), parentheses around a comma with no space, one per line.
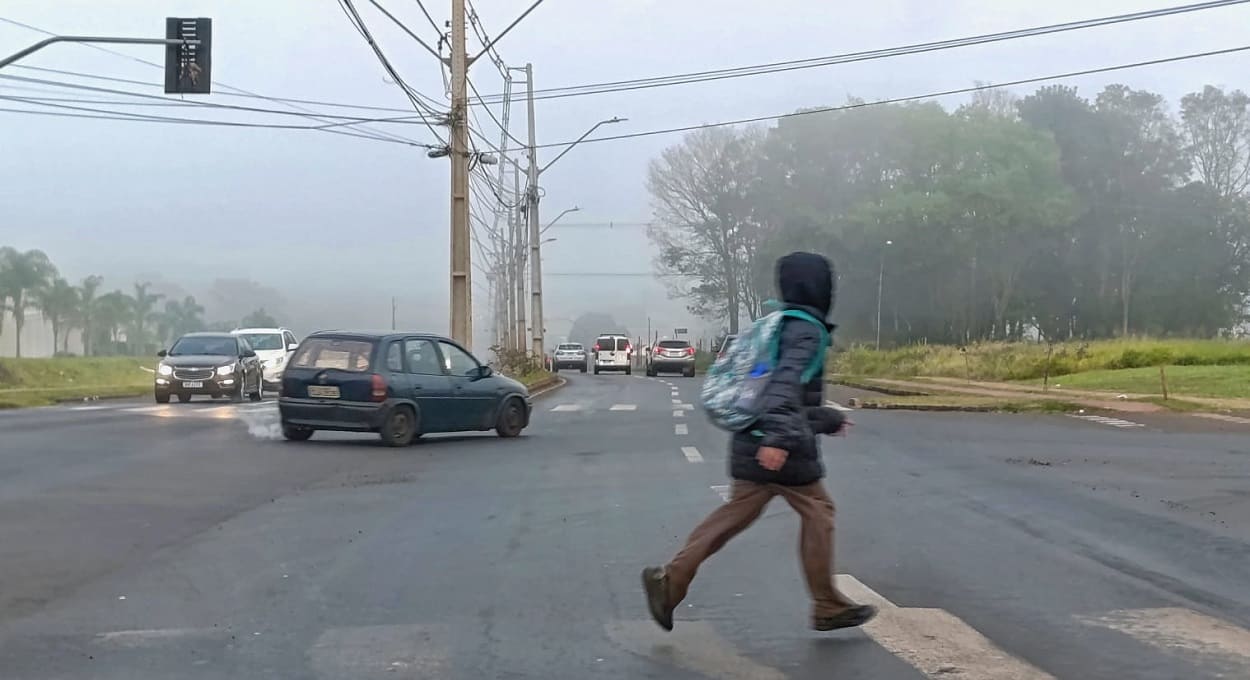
(188,67)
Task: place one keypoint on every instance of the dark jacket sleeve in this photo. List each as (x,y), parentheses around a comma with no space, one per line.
(783,422)
(825,420)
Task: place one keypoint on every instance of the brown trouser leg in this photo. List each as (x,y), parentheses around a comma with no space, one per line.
(816,510)
(746,501)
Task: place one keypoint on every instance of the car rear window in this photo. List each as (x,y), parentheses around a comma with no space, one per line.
(609,344)
(674,344)
(569,347)
(339,353)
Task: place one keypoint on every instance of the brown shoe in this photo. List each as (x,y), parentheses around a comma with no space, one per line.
(851,617)
(655,584)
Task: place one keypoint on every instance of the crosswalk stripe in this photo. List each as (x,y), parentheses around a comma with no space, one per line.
(1182,630)
(935,642)
(679,413)
(1113,422)
(692,454)
(624,407)
(680,428)
(722,490)
(676,401)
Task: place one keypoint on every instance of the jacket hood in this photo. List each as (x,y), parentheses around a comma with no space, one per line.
(806,280)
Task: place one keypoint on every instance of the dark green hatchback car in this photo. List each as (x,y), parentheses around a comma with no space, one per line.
(400,385)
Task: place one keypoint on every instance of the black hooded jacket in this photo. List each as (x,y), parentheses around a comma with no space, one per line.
(793,411)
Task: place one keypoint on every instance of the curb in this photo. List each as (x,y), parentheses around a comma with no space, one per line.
(872,405)
(547,387)
(868,387)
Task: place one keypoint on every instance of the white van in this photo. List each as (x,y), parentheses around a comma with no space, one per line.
(613,353)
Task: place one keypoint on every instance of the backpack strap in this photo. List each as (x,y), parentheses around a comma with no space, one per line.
(818,360)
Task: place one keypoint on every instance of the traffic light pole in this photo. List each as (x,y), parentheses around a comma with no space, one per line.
(91,39)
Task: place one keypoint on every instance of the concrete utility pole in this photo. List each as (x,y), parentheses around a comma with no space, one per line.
(531,213)
(461,267)
(503,286)
(519,262)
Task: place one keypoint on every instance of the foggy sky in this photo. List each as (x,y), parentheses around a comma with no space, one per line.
(340,225)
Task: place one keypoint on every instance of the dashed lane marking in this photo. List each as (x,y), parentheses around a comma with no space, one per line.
(1184,631)
(676,401)
(680,428)
(722,490)
(836,405)
(935,642)
(567,408)
(692,454)
(679,413)
(624,407)
(1112,422)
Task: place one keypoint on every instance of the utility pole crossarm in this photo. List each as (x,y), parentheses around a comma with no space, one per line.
(91,39)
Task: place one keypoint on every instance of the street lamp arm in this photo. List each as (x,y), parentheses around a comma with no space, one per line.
(577,141)
(557,219)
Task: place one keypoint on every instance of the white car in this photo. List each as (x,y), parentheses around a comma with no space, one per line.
(613,353)
(274,347)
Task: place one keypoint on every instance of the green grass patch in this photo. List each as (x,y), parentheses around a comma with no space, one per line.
(1028,361)
(39,382)
(1194,381)
(535,378)
(959,402)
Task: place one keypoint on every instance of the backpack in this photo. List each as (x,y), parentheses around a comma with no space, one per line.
(733,386)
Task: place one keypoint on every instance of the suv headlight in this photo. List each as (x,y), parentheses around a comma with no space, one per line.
(225,370)
(165,369)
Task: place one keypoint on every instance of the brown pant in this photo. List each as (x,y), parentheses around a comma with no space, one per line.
(746,501)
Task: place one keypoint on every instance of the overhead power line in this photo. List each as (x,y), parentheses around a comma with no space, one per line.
(851,57)
(909,98)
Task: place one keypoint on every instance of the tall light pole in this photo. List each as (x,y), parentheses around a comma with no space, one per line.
(535,232)
(880,285)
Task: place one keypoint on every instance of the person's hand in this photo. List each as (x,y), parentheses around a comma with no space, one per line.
(771,457)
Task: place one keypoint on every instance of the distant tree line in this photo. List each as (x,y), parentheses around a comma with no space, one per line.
(112,323)
(1052,215)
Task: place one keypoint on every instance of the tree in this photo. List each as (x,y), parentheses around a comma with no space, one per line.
(259,319)
(705,226)
(591,325)
(143,313)
(179,318)
(1216,127)
(23,277)
(59,303)
(86,315)
(113,312)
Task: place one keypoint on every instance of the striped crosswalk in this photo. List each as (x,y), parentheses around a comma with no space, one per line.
(1107,420)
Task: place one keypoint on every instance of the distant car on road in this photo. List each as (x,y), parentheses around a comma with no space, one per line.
(671,356)
(212,364)
(399,385)
(569,355)
(613,352)
(274,347)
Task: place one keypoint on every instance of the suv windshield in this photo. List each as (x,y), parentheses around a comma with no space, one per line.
(339,353)
(224,345)
(262,341)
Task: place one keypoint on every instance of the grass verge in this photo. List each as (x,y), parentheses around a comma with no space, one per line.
(955,402)
(41,382)
(1198,381)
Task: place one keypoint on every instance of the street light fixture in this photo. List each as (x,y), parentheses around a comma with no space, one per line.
(557,219)
(596,126)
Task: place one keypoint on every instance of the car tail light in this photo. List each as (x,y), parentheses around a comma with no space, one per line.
(690,351)
(379,388)
(596,347)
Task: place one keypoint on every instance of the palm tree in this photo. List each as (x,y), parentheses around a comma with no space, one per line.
(86,316)
(25,275)
(111,312)
(181,317)
(143,308)
(59,304)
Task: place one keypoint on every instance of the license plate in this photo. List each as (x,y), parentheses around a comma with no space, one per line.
(193,385)
(323,391)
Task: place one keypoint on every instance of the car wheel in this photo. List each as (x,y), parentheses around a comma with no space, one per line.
(555,368)
(182,398)
(689,373)
(511,419)
(240,391)
(259,394)
(629,370)
(400,427)
(297,434)
(583,369)
(162,398)
(596,370)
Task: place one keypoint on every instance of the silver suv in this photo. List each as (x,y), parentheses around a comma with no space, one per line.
(569,355)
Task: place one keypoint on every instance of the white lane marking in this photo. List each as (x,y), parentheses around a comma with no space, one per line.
(692,454)
(147,409)
(382,651)
(1182,630)
(722,490)
(568,407)
(686,407)
(624,407)
(155,636)
(935,642)
(676,401)
(91,408)
(693,645)
(1113,422)
(678,413)
(680,428)
(836,405)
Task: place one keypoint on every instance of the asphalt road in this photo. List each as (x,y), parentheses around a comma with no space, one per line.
(186,541)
